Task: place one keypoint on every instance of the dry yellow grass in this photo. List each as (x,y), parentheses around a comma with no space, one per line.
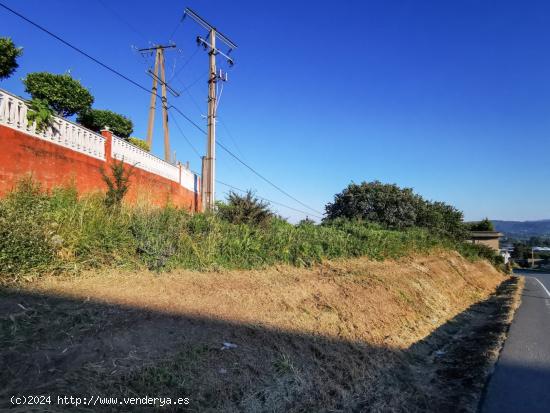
(391,303)
(349,335)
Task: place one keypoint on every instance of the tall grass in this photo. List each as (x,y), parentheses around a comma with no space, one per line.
(58,231)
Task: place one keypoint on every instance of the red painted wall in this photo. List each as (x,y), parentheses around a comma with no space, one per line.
(53,166)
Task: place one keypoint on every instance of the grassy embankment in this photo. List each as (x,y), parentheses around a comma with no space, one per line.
(360,334)
(58,232)
(351,335)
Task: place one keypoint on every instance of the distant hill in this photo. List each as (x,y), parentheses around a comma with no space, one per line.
(524,229)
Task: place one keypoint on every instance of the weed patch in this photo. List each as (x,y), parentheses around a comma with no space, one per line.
(61,232)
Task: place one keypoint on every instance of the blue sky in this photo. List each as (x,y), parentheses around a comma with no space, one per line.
(450,98)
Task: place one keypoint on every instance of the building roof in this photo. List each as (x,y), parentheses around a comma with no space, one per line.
(485,234)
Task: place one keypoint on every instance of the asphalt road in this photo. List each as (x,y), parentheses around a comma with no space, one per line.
(521,380)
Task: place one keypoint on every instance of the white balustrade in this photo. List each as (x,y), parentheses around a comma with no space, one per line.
(13,113)
(189,180)
(131,154)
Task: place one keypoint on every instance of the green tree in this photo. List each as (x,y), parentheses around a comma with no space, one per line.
(395,208)
(484,225)
(442,218)
(65,95)
(96,120)
(245,209)
(140,143)
(8,57)
(387,204)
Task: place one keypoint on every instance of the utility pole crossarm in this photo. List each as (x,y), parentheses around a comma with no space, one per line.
(198,19)
(157,47)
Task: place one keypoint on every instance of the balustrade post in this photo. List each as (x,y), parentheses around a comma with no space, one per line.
(108,135)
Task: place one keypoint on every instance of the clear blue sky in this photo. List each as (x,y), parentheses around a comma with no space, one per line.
(450,98)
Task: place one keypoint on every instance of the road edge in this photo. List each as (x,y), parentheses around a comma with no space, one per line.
(494,356)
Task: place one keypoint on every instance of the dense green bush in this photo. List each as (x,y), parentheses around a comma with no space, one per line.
(41,233)
(244,209)
(8,57)
(395,208)
(96,120)
(65,95)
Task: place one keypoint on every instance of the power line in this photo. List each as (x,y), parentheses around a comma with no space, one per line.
(175,29)
(186,63)
(269,200)
(186,139)
(265,179)
(123,20)
(224,125)
(116,72)
(222,146)
(239,189)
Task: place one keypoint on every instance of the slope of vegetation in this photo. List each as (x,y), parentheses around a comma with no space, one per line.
(352,335)
(59,231)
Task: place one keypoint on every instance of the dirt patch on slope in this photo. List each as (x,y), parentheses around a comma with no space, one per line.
(351,335)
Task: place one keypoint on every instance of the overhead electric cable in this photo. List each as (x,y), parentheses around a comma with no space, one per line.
(186,139)
(124,21)
(116,72)
(222,146)
(269,200)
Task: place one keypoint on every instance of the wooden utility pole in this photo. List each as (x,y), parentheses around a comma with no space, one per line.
(209,161)
(159,65)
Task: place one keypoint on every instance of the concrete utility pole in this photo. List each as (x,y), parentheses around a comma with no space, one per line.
(209,197)
(209,161)
(159,64)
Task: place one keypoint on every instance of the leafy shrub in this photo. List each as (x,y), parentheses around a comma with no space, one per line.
(140,143)
(97,120)
(65,95)
(8,57)
(41,113)
(117,184)
(244,209)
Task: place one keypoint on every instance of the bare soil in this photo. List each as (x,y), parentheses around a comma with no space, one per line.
(416,334)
